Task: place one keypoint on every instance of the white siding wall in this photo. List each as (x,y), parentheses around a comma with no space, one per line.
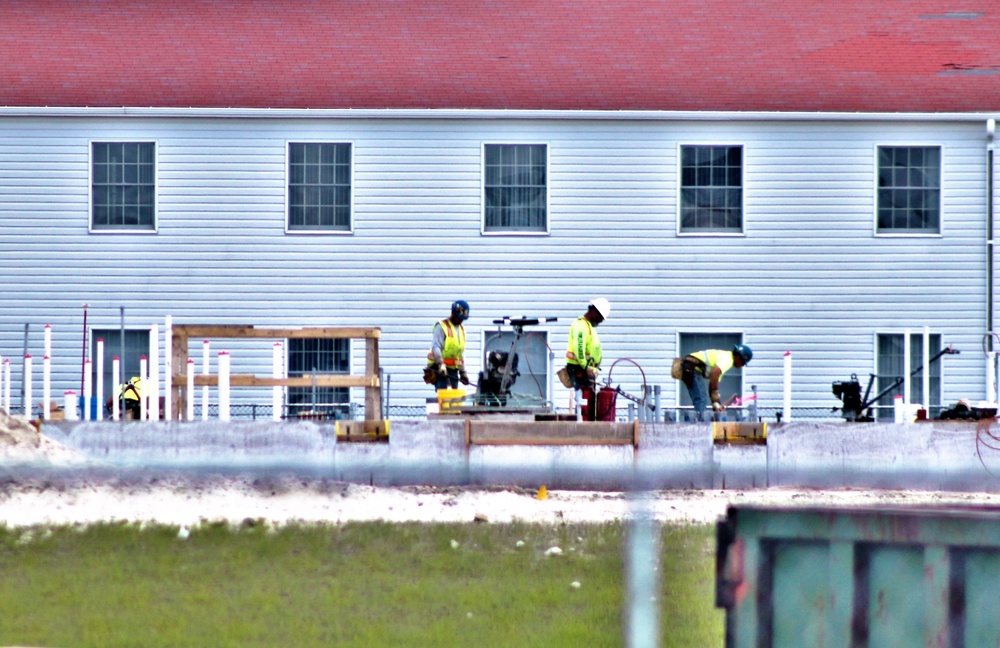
(809,276)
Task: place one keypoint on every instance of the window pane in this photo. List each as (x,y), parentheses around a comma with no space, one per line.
(123,189)
(314,357)
(532,383)
(319,176)
(909,197)
(711,188)
(515,186)
(889,366)
(136,345)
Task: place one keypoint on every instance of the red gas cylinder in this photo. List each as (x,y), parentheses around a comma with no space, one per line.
(606,405)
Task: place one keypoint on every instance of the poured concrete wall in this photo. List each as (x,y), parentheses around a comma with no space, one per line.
(933,455)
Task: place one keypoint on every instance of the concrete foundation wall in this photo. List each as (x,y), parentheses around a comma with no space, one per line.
(932,456)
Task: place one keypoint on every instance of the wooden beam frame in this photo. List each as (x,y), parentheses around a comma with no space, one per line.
(181,335)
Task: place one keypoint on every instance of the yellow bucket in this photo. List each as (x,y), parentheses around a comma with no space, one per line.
(449,400)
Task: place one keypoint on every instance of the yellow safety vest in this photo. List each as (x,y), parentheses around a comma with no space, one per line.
(131,394)
(584,345)
(715,358)
(454,345)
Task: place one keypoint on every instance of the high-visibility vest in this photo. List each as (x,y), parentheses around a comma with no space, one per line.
(584,345)
(715,358)
(454,345)
(132,390)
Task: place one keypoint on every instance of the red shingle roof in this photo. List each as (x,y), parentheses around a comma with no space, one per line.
(678,55)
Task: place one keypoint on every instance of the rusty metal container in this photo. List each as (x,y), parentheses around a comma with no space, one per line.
(859,577)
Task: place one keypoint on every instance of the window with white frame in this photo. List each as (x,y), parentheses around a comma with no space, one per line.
(315,356)
(136,345)
(515,194)
(909,190)
(889,370)
(319,187)
(123,186)
(711,189)
(532,351)
(731,383)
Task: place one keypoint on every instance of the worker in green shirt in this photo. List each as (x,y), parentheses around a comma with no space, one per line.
(710,365)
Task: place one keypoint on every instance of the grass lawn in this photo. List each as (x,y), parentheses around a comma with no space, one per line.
(356,584)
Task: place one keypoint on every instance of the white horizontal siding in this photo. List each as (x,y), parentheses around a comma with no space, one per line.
(809,275)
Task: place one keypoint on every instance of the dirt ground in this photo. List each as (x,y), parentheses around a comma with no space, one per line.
(45,497)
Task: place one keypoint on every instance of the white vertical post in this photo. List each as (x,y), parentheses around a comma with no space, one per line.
(6,385)
(907,361)
(100,379)
(46,386)
(190,391)
(115,397)
(168,368)
(926,373)
(276,390)
(87,389)
(204,372)
(996,396)
(47,373)
(223,385)
(3,402)
(69,406)
(154,373)
(897,408)
(786,414)
(144,392)
(27,385)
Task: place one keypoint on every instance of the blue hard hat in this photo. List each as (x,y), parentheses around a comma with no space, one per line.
(460,309)
(744,352)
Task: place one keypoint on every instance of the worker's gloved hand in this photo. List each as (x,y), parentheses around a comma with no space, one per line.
(463,377)
(717,406)
(442,369)
(592,373)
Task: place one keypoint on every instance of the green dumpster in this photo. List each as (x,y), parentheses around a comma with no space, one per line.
(859,577)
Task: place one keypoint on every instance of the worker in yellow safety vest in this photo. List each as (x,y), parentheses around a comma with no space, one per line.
(131,394)
(584,352)
(446,359)
(710,365)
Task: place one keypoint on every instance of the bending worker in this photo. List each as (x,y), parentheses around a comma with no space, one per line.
(711,365)
(446,359)
(584,353)
(131,395)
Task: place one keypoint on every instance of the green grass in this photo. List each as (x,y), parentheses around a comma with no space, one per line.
(358,584)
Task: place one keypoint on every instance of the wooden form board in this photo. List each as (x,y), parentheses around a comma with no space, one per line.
(181,335)
(724,432)
(551,433)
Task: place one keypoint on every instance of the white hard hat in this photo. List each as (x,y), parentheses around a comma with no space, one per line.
(602,305)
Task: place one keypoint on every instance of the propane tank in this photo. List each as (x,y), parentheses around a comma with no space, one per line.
(607,398)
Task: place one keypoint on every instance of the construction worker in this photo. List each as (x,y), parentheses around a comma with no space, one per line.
(584,353)
(130,394)
(710,364)
(445,360)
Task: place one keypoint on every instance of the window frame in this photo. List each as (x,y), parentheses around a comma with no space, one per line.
(288,190)
(875,192)
(90,188)
(679,230)
(112,350)
(287,391)
(482,189)
(484,339)
(915,335)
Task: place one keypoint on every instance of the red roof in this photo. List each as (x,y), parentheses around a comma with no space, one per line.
(676,55)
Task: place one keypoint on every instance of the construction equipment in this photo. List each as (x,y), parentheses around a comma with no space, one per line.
(857,407)
(500,372)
